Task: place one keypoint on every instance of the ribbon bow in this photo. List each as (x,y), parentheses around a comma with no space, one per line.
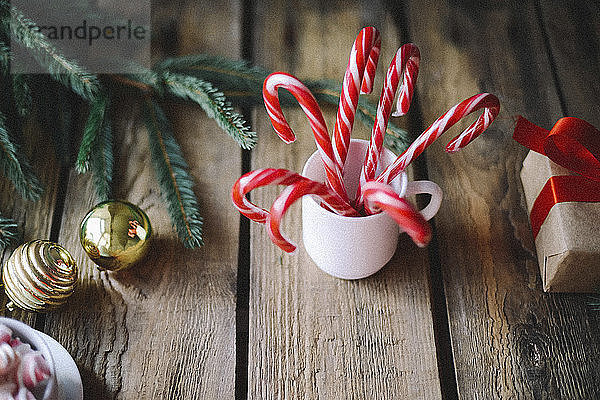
(573,144)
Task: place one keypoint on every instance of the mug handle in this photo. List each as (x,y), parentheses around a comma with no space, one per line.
(428,187)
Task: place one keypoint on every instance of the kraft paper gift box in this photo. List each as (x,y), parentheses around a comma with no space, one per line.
(568,241)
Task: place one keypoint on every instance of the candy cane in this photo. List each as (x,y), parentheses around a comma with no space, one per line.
(382,196)
(23,394)
(358,78)
(5,334)
(7,390)
(487,101)
(274,176)
(33,369)
(285,200)
(8,358)
(408,66)
(315,117)
(405,62)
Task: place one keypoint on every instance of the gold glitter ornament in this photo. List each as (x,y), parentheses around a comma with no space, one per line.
(39,276)
(115,234)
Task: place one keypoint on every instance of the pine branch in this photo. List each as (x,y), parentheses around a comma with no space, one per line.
(101,161)
(90,132)
(68,72)
(21,94)
(242,84)
(173,176)
(4,57)
(328,92)
(226,74)
(213,103)
(147,79)
(16,168)
(8,232)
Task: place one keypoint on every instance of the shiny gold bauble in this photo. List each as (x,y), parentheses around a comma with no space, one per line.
(39,276)
(115,234)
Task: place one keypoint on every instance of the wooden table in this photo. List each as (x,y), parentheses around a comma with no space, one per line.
(464,318)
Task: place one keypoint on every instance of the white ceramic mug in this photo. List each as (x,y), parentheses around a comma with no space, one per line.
(356,247)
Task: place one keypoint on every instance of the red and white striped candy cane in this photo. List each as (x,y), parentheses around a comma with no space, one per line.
(358,78)
(315,117)
(23,394)
(8,359)
(382,196)
(487,101)
(405,63)
(33,369)
(290,195)
(5,334)
(275,176)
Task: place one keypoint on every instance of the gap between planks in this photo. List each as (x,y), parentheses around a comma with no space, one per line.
(242,307)
(550,55)
(59,205)
(439,311)
(444,353)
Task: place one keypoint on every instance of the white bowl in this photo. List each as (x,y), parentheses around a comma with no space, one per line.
(65,382)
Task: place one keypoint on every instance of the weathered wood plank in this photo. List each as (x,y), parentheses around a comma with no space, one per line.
(573,30)
(166,328)
(34,218)
(312,335)
(510,340)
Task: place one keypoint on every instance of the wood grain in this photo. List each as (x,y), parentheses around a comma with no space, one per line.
(509,339)
(34,218)
(311,335)
(573,30)
(166,328)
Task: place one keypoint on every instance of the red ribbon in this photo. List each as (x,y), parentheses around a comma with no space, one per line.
(574,144)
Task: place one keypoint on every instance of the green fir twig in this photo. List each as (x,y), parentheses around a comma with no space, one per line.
(173,176)
(242,84)
(16,168)
(101,161)
(23,31)
(22,94)
(213,103)
(8,232)
(4,57)
(214,83)
(147,80)
(227,75)
(92,127)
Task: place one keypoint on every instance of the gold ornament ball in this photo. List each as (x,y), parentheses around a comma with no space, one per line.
(115,234)
(39,276)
